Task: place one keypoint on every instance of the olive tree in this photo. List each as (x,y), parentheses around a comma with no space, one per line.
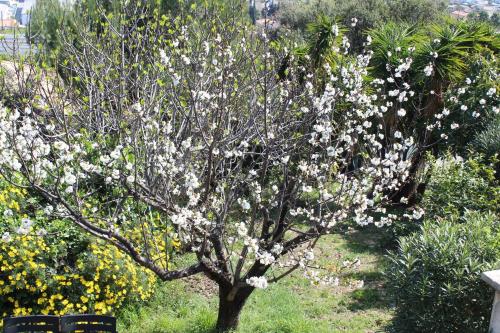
(180,128)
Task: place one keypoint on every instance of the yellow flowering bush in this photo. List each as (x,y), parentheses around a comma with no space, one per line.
(101,281)
(51,267)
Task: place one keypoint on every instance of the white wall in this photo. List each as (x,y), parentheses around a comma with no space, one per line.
(5,12)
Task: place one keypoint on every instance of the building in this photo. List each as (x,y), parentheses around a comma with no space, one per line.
(15,9)
(8,23)
(6,15)
(459,14)
(23,9)
(5,12)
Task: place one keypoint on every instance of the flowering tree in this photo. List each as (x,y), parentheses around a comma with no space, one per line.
(182,129)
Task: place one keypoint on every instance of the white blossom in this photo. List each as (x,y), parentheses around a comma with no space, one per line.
(335,30)
(8,213)
(186,59)
(277,249)
(163,57)
(418,213)
(69,178)
(265,258)
(257,282)
(242,229)
(309,255)
(48,210)
(429,69)
(41,232)
(245,205)
(6,237)
(25,227)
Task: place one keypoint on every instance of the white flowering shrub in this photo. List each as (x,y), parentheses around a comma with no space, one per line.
(187,120)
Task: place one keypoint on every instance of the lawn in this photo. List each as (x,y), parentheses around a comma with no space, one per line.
(293,305)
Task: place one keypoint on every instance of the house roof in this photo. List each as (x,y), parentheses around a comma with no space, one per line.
(459,13)
(8,23)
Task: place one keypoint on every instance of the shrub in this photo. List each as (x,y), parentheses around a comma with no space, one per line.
(453,187)
(434,276)
(487,141)
(456,185)
(51,267)
(33,281)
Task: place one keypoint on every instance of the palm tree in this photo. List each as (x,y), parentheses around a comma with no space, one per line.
(322,35)
(448,48)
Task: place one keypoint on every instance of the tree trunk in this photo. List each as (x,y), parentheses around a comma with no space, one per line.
(231,301)
(410,189)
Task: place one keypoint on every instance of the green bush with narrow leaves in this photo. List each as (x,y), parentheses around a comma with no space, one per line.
(458,185)
(487,141)
(434,276)
(454,186)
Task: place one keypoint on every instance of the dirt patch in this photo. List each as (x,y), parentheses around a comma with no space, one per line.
(200,284)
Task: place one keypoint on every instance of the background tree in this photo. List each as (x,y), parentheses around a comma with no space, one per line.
(298,15)
(417,11)
(47,17)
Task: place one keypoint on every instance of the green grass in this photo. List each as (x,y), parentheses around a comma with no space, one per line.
(19,31)
(172,309)
(291,306)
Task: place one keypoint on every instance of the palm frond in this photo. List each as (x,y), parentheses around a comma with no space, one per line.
(323,34)
(454,43)
(391,42)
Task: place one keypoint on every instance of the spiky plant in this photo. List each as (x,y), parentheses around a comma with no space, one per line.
(322,35)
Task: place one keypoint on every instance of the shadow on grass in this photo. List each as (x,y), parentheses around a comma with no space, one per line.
(202,330)
(369,239)
(369,277)
(372,296)
(367,298)
(288,307)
